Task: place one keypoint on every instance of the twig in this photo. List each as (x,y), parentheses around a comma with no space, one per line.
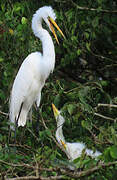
(91,9)
(108,105)
(24,178)
(3,113)
(36,168)
(104,117)
(33,134)
(97,141)
(100,56)
(17,165)
(26,147)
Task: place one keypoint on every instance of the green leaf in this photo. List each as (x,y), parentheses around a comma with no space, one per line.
(95,22)
(57,100)
(83,22)
(88,46)
(3,6)
(86,35)
(88,108)
(85,124)
(2,94)
(79,52)
(113,152)
(106,153)
(48,132)
(17,7)
(70,108)
(1,59)
(99,1)
(104,83)
(24,20)
(115,100)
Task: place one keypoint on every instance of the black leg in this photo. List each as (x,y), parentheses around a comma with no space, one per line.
(37,123)
(16,120)
(15,132)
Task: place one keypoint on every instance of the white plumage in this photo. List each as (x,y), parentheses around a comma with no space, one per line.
(34,70)
(72,150)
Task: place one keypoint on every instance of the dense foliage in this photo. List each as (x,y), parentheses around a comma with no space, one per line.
(83,86)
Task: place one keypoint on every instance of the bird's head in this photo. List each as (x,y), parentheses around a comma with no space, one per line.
(48,15)
(57,114)
(60,121)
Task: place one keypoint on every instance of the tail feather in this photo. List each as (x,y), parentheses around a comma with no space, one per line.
(93,154)
(18,118)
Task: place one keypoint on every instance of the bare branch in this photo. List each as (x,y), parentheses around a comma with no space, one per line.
(35,178)
(104,117)
(17,165)
(33,134)
(24,178)
(108,105)
(3,113)
(91,9)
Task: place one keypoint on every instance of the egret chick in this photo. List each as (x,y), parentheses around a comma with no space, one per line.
(73,150)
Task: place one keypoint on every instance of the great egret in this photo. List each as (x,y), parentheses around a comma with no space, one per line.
(73,150)
(35,69)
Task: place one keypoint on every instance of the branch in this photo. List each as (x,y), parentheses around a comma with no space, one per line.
(108,105)
(17,165)
(75,174)
(24,178)
(3,113)
(104,117)
(33,134)
(91,9)
(27,166)
(31,167)
(35,178)
(26,147)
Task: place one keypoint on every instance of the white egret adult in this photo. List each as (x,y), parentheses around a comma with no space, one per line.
(35,69)
(73,150)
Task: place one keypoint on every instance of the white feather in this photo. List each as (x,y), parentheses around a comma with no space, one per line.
(34,70)
(73,150)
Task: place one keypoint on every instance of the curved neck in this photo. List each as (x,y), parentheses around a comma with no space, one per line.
(59,131)
(59,135)
(47,43)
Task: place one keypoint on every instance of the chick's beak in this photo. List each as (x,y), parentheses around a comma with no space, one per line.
(55,110)
(52,22)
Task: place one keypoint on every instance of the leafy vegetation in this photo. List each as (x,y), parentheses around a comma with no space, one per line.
(83,86)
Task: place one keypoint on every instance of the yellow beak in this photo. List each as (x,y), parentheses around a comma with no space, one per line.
(52,22)
(55,110)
